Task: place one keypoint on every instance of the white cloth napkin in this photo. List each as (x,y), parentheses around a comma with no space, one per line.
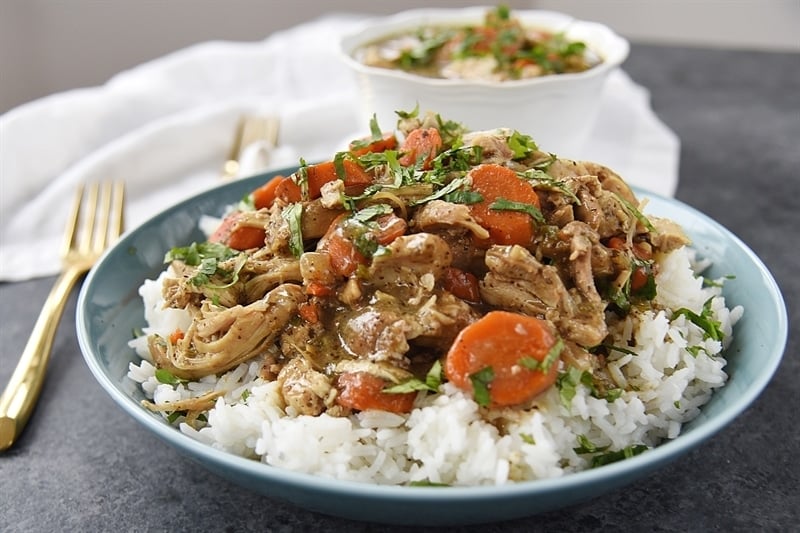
(166,127)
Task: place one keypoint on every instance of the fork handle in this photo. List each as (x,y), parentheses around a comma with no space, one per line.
(20,395)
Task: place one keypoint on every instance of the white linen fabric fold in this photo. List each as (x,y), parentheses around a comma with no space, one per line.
(165,128)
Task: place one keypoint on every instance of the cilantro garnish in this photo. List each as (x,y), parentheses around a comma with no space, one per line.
(545,364)
(612,457)
(165,376)
(433,379)
(712,329)
(503,204)
(373,211)
(463,197)
(603,457)
(207,257)
(480,385)
(522,145)
(638,215)
(293,216)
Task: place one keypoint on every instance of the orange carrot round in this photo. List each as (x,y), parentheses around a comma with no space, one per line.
(503,359)
(264,196)
(238,237)
(320,174)
(367,146)
(421,144)
(495,182)
(362,391)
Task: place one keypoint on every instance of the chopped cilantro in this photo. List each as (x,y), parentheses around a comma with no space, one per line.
(527,438)
(480,385)
(207,257)
(463,197)
(638,215)
(615,456)
(587,446)
(712,329)
(373,211)
(293,216)
(522,145)
(543,179)
(374,129)
(503,204)
(414,113)
(547,362)
(603,457)
(165,376)
(174,415)
(432,381)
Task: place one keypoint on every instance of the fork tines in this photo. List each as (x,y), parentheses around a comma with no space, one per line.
(104,204)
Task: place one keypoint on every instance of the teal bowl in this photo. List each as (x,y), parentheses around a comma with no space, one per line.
(109,309)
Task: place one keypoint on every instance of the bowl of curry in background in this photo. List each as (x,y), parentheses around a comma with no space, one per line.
(532,70)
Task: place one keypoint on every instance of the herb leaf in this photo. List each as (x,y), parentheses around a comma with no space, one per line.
(503,204)
(480,385)
(293,215)
(547,362)
(619,455)
(165,376)
(432,381)
(567,383)
(521,145)
(712,329)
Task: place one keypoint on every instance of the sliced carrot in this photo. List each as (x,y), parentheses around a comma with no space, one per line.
(495,182)
(315,288)
(369,145)
(389,228)
(309,311)
(641,250)
(362,391)
(265,195)
(462,284)
(421,145)
(238,237)
(288,191)
(320,174)
(616,243)
(246,237)
(175,336)
(638,278)
(510,354)
(344,255)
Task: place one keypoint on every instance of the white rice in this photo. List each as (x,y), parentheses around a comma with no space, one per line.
(446,439)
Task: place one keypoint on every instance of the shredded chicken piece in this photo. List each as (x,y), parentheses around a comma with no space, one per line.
(519,282)
(407,260)
(438,214)
(221,338)
(198,403)
(306,390)
(493,144)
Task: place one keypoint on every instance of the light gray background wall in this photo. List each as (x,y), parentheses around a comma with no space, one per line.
(47,46)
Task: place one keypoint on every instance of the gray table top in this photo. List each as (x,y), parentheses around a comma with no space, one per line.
(83,465)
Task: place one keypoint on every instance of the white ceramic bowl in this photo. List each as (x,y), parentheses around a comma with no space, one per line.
(557,110)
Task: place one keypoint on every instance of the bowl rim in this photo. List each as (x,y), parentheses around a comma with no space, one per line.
(653,458)
(375,28)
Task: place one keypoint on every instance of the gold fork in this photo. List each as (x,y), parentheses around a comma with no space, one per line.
(87,235)
(249,130)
